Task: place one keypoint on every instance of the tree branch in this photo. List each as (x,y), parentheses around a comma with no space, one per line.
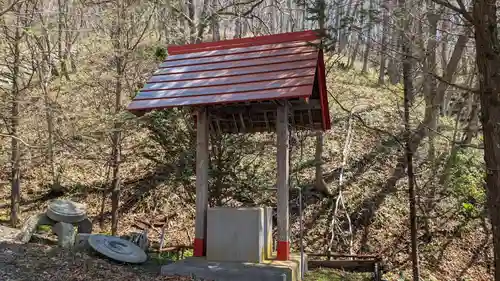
(460,9)
(8,8)
(21,140)
(460,87)
(363,121)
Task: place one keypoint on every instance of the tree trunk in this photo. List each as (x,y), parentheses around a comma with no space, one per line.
(15,158)
(488,63)
(116,135)
(44,74)
(430,79)
(61,25)
(320,184)
(383,47)
(192,25)
(445,26)
(215,23)
(393,68)
(451,68)
(368,38)
(408,96)
(273,16)
(355,50)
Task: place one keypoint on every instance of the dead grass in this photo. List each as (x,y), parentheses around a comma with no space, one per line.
(83,148)
(48,263)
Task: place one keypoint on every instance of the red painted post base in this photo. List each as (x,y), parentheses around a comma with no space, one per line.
(199,247)
(283,251)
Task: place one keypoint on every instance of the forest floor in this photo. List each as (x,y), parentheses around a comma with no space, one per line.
(34,261)
(42,262)
(456,248)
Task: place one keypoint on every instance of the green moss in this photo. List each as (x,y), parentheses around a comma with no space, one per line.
(44,228)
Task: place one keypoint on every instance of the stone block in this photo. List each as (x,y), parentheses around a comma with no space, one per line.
(235,234)
(224,271)
(84,226)
(82,242)
(31,224)
(65,234)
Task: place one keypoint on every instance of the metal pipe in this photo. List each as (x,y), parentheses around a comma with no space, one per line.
(301,236)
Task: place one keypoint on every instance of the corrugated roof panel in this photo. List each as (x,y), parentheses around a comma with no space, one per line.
(232,79)
(237,57)
(187,76)
(282,93)
(225,89)
(216,64)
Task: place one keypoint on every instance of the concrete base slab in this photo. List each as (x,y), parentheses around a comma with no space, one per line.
(269,270)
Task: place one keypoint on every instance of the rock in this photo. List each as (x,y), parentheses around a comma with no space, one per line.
(8,234)
(85,226)
(31,224)
(63,210)
(65,234)
(117,248)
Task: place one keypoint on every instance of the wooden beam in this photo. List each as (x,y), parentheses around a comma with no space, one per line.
(217,122)
(311,122)
(243,127)
(267,122)
(265,107)
(283,251)
(236,127)
(339,255)
(290,112)
(201,182)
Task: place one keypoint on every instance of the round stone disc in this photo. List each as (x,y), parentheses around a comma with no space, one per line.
(66,211)
(117,248)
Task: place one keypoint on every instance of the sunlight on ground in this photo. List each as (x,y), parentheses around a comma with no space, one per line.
(333,275)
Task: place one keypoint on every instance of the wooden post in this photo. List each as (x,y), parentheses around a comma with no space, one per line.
(201,182)
(283,188)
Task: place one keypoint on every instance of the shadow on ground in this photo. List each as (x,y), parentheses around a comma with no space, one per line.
(48,263)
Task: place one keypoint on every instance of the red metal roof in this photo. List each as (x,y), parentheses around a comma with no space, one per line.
(283,66)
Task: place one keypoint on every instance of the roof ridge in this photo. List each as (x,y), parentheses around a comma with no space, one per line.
(307,35)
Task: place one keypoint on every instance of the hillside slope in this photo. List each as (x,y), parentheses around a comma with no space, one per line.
(158,174)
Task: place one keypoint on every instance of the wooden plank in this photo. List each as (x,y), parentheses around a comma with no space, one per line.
(277,67)
(230,80)
(264,106)
(242,122)
(226,89)
(339,255)
(283,251)
(237,57)
(201,181)
(229,65)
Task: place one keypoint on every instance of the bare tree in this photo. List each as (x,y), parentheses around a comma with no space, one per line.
(126,33)
(408,96)
(368,39)
(13,30)
(383,48)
